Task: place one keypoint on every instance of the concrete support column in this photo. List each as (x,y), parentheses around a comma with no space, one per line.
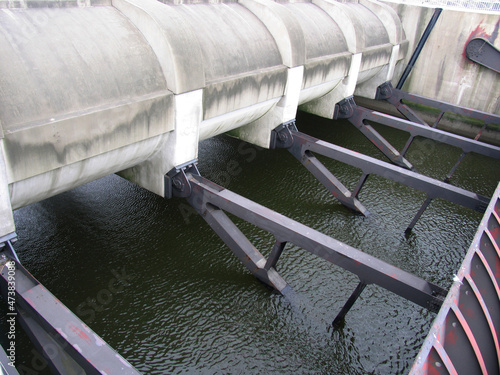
(259,132)
(6,217)
(175,148)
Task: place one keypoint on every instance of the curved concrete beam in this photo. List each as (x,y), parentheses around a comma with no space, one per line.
(342,15)
(99,88)
(284,28)
(389,19)
(173,40)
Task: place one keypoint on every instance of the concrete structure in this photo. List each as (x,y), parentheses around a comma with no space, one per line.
(449,75)
(89,88)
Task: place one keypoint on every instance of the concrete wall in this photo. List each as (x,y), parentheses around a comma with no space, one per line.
(442,70)
(89,88)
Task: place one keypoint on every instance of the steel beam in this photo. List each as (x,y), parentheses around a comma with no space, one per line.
(396,97)
(303,144)
(348,109)
(418,130)
(6,365)
(282,138)
(67,343)
(420,46)
(210,199)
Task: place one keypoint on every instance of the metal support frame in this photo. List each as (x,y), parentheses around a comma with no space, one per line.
(356,115)
(360,117)
(303,144)
(68,344)
(302,147)
(397,97)
(211,201)
(283,138)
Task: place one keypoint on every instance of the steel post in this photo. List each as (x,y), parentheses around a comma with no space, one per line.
(420,46)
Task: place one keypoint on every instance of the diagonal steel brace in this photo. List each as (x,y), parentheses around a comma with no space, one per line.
(302,145)
(67,343)
(282,137)
(212,200)
(396,97)
(349,110)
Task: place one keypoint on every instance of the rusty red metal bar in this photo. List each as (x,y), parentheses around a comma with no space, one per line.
(66,342)
(212,202)
(464,338)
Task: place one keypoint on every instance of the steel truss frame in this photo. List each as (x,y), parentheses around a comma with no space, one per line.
(68,345)
(416,127)
(302,147)
(396,97)
(212,202)
(360,117)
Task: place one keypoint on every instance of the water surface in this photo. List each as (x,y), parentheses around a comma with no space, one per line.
(188,306)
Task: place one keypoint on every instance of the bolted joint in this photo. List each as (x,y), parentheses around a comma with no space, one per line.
(176,181)
(384,91)
(344,108)
(281,137)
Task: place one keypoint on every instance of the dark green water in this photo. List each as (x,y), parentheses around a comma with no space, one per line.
(188,306)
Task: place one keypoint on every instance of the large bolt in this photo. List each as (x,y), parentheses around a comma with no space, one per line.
(177,183)
(283,136)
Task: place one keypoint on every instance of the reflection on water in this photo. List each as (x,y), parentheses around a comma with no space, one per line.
(186,304)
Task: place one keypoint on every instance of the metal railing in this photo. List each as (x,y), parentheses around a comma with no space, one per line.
(470,5)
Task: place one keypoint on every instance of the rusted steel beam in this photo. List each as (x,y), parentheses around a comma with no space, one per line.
(302,143)
(207,197)
(67,343)
(465,335)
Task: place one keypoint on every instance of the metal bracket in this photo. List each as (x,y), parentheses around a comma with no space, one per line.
(357,116)
(344,109)
(176,182)
(481,51)
(281,137)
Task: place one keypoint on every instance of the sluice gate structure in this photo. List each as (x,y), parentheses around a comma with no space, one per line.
(94,87)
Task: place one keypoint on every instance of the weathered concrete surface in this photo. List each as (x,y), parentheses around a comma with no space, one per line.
(92,87)
(347,47)
(443,71)
(75,84)
(375,37)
